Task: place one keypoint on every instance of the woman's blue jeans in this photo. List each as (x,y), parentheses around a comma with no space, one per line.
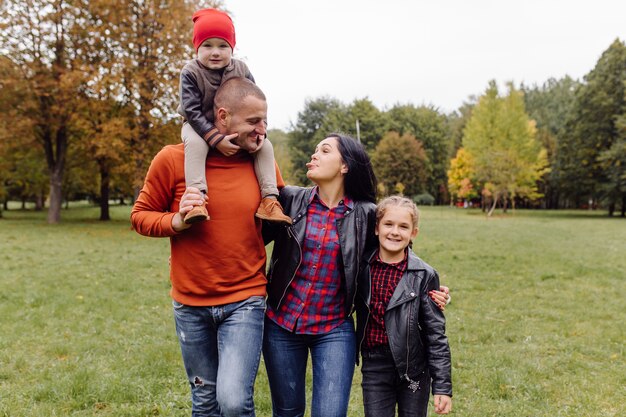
(221,348)
(333,358)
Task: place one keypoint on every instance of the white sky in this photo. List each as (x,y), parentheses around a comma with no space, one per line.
(436,52)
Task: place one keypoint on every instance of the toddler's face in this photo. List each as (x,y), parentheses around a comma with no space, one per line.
(395,230)
(215,53)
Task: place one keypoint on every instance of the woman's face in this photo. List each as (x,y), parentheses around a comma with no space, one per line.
(326,162)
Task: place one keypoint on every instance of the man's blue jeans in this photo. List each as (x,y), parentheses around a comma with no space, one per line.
(333,357)
(221,348)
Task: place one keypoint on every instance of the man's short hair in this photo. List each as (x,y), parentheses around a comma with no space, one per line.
(232,92)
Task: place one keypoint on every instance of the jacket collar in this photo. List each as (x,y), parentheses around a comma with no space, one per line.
(415,263)
(408,287)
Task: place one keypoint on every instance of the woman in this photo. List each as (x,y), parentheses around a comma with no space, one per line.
(312,279)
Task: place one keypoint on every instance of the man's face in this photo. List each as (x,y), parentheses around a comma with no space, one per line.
(249,120)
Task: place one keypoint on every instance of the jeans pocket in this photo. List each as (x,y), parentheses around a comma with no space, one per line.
(256,301)
(177,306)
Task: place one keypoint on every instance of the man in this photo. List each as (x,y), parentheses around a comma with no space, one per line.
(217,267)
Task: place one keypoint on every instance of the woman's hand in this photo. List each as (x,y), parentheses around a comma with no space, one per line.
(441,297)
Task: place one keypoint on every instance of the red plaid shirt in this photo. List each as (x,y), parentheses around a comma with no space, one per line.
(314,301)
(385,279)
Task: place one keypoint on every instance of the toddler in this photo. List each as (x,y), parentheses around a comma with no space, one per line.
(214,41)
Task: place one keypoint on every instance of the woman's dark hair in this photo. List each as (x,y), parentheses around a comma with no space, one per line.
(359,182)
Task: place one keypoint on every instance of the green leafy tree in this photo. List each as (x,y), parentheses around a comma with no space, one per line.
(614,163)
(456,121)
(502,140)
(280,142)
(400,164)
(371,121)
(600,101)
(430,127)
(550,105)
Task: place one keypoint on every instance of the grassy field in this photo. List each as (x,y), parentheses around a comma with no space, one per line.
(536,325)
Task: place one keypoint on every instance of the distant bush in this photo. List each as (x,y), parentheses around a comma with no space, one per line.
(424,199)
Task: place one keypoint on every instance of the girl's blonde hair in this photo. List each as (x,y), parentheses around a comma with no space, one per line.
(398,201)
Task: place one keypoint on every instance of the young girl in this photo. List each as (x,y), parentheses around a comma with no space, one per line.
(401,330)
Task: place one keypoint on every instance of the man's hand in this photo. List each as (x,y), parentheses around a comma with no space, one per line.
(191,197)
(226,145)
(443,404)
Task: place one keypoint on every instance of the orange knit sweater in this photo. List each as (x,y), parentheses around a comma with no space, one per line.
(215,262)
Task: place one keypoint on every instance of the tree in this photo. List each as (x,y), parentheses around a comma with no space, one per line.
(456,121)
(550,105)
(501,139)
(126,54)
(600,101)
(372,122)
(280,142)
(614,164)
(430,127)
(400,164)
(461,176)
(43,39)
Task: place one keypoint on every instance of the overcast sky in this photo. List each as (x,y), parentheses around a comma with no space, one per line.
(436,52)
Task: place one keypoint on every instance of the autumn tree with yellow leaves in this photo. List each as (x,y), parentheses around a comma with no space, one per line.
(501,139)
(101,76)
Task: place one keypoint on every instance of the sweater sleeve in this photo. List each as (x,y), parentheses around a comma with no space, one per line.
(433,325)
(150,215)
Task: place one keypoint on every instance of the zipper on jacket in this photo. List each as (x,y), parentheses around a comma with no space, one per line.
(356,280)
(413,385)
(408,337)
(367,320)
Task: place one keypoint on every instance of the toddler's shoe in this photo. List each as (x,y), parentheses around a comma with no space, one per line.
(271,210)
(196,215)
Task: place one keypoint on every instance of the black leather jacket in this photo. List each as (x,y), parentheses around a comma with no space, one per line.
(415,325)
(356,237)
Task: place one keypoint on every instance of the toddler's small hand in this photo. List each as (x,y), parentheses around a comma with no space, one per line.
(226,145)
(260,140)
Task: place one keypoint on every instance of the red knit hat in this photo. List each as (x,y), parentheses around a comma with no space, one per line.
(212,23)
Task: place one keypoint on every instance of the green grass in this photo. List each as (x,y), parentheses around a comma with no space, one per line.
(535,326)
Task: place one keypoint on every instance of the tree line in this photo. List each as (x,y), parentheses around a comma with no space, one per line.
(561,144)
(88,92)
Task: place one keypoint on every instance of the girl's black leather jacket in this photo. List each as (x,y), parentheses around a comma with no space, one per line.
(356,237)
(415,325)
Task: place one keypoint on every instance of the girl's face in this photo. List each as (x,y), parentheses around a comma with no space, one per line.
(215,53)
(395,230)
(326,162)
